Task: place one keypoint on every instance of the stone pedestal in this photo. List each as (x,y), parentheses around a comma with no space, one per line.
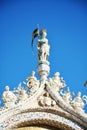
(43,69)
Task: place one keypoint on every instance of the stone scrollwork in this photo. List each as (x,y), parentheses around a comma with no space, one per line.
(46,100)
(32,83)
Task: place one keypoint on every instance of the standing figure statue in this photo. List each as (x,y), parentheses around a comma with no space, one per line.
(22,95)
(78,103)
(43,47)
(56,82)
(67,96)
(9,98)
(43,53)
(32,83)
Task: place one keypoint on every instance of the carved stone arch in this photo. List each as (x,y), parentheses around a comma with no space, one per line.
(41,124)
(45,120)
(41,127)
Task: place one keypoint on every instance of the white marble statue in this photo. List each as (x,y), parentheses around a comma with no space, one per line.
(56,82)
(43,47)
(9,98)
(32,83)
(78,103)
(22,95)
(67,96)
(43,34)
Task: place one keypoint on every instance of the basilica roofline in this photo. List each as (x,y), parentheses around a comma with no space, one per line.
(43,101)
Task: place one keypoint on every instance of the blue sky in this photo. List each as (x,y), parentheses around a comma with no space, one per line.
(66,24)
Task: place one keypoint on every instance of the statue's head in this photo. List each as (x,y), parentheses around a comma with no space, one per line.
(7,88)
(68,90)
(43,33)
(33,73)
(57,74)
(79,94)
(23,91)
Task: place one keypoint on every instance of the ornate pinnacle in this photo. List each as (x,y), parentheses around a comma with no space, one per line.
(43,53)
